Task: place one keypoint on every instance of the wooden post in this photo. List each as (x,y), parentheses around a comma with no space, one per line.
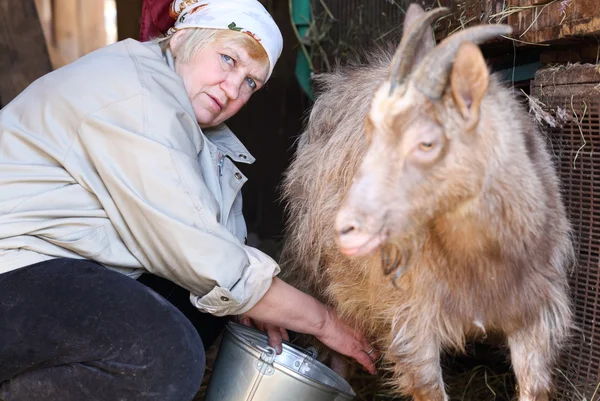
(66,31)
(23,53)
(91,20)
(44,9)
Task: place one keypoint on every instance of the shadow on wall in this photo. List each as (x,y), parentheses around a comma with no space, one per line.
(268,125)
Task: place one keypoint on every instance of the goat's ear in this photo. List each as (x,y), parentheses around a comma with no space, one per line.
(427,42)
(469,82)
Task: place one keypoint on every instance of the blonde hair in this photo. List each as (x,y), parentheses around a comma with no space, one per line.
(196,39)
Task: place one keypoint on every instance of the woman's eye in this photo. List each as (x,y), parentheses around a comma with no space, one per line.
(227,59)
(251,82)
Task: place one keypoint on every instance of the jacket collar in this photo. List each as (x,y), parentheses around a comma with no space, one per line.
(168,56)
(221,136)
(226,141)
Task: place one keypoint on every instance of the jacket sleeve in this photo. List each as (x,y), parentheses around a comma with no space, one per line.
(157,197)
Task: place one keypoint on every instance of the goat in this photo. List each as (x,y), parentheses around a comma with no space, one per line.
(423,205)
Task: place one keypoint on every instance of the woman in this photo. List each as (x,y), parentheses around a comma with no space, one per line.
(119,165)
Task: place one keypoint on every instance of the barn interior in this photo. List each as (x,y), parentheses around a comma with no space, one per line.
(552,61)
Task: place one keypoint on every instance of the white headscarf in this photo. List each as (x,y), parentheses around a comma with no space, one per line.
(246,16)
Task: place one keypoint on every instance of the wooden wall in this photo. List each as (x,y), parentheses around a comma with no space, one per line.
(73,28)
(23,56)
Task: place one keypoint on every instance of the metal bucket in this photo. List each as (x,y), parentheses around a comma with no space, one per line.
(248,369)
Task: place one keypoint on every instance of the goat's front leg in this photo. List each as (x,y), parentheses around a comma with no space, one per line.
(417,369)
(533,352)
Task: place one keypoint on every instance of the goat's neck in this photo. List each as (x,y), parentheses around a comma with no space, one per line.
(507,214)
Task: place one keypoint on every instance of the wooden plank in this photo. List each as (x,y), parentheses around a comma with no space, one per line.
(66,31)
(554,20)
(44,9)
(91,25)
(466,13)
(23,53)
(568,74)
(533,21)
(588,91)
(572,53)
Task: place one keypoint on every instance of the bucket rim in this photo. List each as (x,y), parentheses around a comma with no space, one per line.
(347,390)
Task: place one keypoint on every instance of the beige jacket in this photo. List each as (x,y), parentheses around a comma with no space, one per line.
(103,159)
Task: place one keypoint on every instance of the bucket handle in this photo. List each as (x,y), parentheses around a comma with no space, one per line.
(267,355)
(311,351)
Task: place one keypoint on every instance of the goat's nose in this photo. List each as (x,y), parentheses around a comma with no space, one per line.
(348,228)
(351,239)
(354,236)
(346,223)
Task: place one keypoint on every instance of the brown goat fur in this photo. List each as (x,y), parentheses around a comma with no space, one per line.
(481,217)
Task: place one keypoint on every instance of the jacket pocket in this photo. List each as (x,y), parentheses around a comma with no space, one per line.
(89,242)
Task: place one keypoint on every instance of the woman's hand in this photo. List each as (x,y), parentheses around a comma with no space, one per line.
(340,337)
(276,334)
(285,306)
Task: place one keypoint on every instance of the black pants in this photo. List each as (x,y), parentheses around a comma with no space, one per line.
(73,330)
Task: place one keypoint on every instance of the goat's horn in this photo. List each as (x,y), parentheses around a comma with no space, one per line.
(405,54)
(431,76)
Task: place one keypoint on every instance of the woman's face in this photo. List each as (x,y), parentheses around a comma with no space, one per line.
(219,80)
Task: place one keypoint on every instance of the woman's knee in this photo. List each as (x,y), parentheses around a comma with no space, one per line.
(108,322)
(177,367)
(180,347)
(174,350)
(167,343)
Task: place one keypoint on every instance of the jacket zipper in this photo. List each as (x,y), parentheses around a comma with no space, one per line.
(221,160)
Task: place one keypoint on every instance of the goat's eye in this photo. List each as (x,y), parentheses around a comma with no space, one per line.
(426,146)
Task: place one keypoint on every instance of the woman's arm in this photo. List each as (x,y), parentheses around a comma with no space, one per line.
(139,156)
(286,306)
